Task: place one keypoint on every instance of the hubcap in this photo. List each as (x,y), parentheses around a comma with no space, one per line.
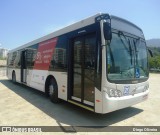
(51,90)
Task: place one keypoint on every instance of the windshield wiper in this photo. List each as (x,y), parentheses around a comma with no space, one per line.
(119,34)
(135,46)
(130,48)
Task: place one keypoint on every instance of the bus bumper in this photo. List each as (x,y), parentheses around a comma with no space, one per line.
(111,104)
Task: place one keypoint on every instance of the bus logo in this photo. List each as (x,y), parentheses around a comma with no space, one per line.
(38,57)
(126,90)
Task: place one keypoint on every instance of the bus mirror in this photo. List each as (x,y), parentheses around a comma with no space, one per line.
(150,52)
(107,31)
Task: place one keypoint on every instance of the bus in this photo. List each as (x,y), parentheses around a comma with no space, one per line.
(99,63)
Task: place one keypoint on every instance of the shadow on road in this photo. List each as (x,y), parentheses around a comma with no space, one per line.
(67,113)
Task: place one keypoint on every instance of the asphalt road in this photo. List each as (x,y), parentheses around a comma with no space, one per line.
(24,106)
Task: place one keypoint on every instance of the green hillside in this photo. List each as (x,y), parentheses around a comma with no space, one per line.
(154,62)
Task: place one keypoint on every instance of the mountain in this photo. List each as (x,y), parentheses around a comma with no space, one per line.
(153,42)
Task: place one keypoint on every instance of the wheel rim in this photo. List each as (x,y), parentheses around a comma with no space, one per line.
(51,89)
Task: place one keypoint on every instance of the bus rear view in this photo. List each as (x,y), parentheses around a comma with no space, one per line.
(99,63)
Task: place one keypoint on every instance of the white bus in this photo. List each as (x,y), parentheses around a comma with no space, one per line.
(99,63)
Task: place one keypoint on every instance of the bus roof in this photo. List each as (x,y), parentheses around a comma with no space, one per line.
(126,26)
(116,23)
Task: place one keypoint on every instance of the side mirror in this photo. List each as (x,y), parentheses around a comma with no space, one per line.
(150,52)
(107,31)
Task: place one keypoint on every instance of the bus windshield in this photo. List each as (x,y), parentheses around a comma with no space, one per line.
(126,58)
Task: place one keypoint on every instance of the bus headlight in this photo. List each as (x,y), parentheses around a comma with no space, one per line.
(114,93)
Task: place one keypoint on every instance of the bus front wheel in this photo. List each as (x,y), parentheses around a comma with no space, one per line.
(53,91)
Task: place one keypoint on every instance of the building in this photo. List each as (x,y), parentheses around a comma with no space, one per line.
(3,52)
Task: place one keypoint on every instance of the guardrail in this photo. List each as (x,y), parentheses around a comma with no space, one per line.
(2,71)
(154,70)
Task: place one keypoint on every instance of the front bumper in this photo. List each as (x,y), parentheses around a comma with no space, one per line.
(115,103)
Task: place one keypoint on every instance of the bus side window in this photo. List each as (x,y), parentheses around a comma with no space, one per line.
(31,55)
(12,57)
(59,57)
(17,59)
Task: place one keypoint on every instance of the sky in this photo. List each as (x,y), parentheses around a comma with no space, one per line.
(22,21)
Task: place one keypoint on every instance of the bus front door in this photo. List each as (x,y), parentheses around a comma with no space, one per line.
(23,66)
(83,69)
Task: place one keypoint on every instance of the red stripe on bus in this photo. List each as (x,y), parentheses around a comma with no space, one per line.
(44,54)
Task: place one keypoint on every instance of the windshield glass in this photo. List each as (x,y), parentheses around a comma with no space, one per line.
(141,58)
(126,58)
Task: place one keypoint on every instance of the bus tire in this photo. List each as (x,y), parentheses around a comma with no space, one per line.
(14,77)
(53,91)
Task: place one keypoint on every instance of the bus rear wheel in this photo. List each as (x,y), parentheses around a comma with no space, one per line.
(53,91)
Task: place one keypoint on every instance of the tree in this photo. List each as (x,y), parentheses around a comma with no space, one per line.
(154,62)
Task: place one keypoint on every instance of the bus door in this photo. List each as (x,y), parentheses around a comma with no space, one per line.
(23,66)
(83,69)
